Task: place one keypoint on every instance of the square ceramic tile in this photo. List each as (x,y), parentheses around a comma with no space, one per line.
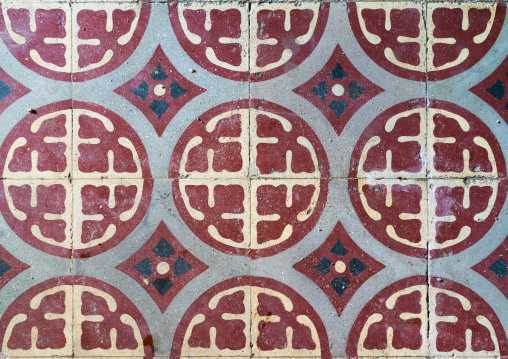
(282,35)
(244,179)
(215,35)
(461,309)
(39,35)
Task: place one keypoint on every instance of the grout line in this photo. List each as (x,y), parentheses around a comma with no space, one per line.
(275,1)
(251,310)
(427,234)
(73,269)
(165,2)
(401,179)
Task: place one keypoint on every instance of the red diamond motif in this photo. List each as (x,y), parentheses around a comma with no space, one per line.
(159,91)
(162,266)
(10,90)
(338,90)
(10,267)
(495,267)
(494,89)
(339,267)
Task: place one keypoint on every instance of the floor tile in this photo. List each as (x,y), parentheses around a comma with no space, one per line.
(394,322)
(467,190)
(473,27)
(105,212)
(106,323)
(215,35)
(393,35)
(36,158)
(339,267)
(159,91)
(282,35)
(462,320)
(244,179)
(25,26)
(117,28)
(338,90)
(162,266)
(40,321)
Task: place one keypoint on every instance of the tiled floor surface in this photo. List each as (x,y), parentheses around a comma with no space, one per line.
(268,180)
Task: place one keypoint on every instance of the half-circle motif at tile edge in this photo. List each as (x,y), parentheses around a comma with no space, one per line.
(395,322)
(394,36)
(277,44)
(91,40)
(74,315)
(237,318)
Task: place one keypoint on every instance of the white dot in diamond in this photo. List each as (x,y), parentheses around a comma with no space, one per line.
(162,268)
(340,267)
(159,90)
(338,90)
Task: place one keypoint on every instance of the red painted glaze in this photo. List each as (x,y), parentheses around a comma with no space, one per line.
(59,306)
(97,48)
(182,266)
(257,185)
(40,155)
(232,299)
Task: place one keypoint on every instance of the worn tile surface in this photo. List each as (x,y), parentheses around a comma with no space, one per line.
(204,179)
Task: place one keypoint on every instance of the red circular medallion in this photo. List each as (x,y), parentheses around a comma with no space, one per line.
(421,42)
(251,193)
(427,178)
(75,180)
(218,36)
